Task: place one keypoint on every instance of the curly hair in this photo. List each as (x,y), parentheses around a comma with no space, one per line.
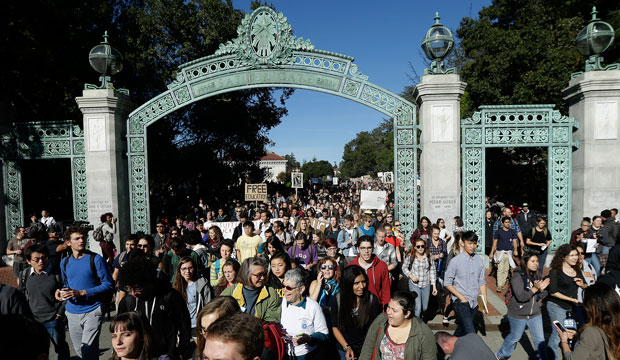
(560,254)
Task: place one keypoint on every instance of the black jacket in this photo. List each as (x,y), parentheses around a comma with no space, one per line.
(526,225)
(168,317)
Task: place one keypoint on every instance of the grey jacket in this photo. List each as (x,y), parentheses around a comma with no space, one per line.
(204,292)
(523,303)
(592,344)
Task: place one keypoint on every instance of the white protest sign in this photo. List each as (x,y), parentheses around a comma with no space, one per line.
(228,227)
(388,177)
(297,180)
(373,200)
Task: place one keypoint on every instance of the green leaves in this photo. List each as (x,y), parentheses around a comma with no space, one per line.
(369,152)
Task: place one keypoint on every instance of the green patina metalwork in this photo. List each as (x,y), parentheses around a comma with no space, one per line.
(592,41)
(437,45)
(42,140)
(266,54)
(519,126)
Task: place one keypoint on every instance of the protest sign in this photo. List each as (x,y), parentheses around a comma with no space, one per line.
(297,180)
(388,177)
(228,227)
(373,200)
(256,192)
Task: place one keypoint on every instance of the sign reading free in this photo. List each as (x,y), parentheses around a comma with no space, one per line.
(256,192)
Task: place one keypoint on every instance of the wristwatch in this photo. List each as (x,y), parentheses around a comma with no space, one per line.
(345,347)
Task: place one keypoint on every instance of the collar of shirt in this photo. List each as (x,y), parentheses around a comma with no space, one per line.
(302,303)
(45,272)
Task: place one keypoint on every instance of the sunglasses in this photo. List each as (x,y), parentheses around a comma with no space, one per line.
(396,225)
(289,288)
(420,247)
(327,267)
(142,246)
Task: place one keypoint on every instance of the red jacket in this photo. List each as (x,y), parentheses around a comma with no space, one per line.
(378,279)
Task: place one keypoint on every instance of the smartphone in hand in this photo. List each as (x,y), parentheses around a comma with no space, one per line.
(558,325)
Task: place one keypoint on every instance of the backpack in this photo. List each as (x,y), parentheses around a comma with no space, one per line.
(105,299)
(98,233)
(273,339)
(24,275)
(309,250)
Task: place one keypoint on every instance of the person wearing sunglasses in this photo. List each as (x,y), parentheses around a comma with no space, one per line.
(326,284)
(419,267)
(302,319)
(251,292)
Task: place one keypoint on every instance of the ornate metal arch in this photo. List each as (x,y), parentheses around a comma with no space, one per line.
(42,140)
(266,54)
(519,126)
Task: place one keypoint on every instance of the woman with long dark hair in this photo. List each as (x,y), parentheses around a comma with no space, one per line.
(280,263)
(600,337)
(538,241)
(353,311)
(131,338)
(524,307)
(566,279)
(194,288)
(423,231)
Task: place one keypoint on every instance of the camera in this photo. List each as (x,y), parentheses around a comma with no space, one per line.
(328,288)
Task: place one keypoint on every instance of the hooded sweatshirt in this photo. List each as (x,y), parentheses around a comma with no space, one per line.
(378,279)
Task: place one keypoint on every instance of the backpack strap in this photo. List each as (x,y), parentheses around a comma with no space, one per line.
(93,268)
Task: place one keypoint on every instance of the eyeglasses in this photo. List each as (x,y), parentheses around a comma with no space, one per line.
(136,289)
(332,249)
(159,226)
(260,275)
(327,267)
(36,260)
(420,246)
(189,268)
(289,288)
(365,248)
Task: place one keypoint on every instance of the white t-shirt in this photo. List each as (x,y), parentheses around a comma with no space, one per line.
(297,320)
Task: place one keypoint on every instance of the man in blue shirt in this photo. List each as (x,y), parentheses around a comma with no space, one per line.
(87,285)
(465,279)
(506,212)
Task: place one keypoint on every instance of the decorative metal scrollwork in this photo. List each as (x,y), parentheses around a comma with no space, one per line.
(518,125)
(265,53)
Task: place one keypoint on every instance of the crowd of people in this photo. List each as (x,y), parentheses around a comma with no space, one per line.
(316,277)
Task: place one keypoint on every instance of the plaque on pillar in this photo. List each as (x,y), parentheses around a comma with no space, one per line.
(442,128)
(96,133)
(606,120)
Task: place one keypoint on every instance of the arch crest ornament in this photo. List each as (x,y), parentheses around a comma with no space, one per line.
(267,54)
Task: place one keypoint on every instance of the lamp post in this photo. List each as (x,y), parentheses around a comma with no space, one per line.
(592,41)
(108,62)
(437,45)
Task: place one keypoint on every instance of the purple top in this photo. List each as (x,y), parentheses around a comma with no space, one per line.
(303,256)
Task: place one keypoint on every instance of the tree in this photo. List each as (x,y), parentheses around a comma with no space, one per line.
(370,152)
(291,162)
(317,169)
(201,149)
(523,52)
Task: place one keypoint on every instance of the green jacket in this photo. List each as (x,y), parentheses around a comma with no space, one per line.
(420,344)
(268,305)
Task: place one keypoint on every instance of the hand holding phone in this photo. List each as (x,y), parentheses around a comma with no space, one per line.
(558,325)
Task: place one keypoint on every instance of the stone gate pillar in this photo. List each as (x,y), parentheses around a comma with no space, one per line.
(105,113)
(439,98)
(594,100)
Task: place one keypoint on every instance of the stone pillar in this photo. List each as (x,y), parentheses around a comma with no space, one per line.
(105,147)
(594,100)
(439,99)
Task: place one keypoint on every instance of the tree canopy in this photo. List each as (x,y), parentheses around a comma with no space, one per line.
(370,152)
(317,169)
(190,150)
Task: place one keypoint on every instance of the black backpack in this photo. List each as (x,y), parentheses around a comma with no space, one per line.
(105,299)
(24,275)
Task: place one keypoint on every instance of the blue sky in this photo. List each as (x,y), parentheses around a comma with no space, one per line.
(384,38)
